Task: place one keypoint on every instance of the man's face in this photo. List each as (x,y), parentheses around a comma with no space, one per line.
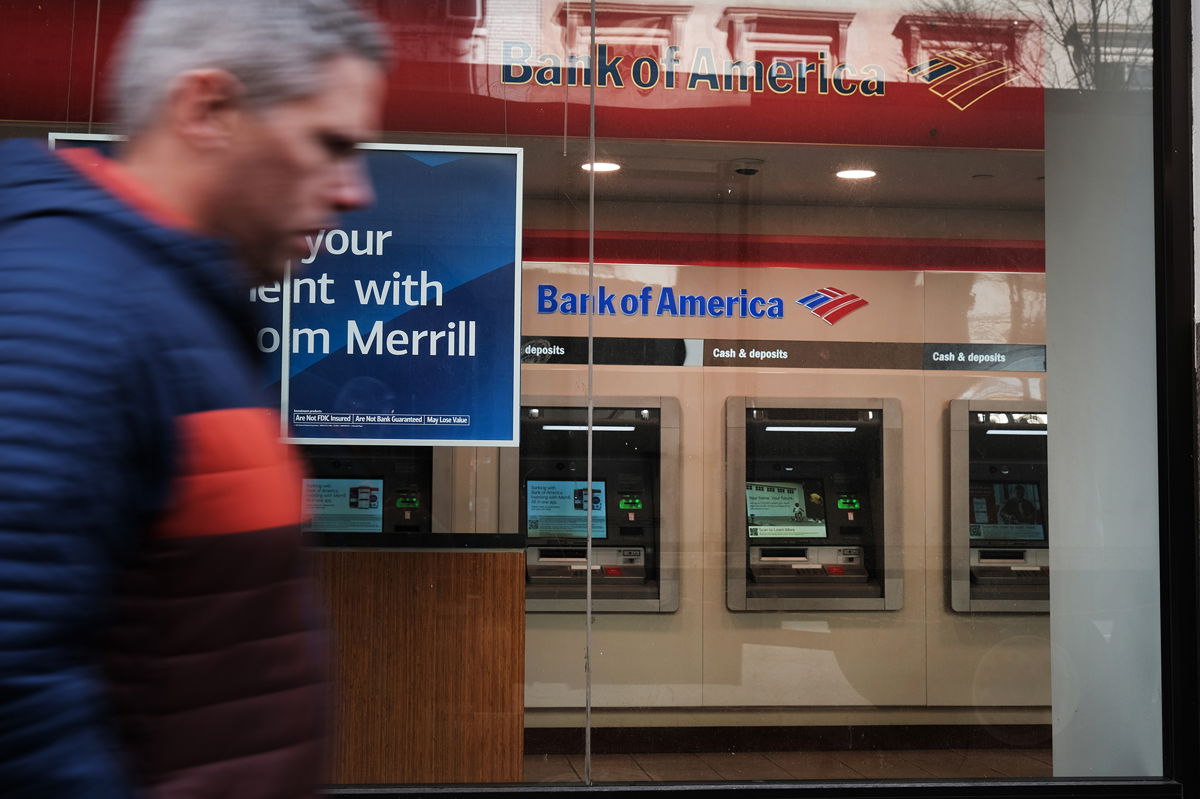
(293,167)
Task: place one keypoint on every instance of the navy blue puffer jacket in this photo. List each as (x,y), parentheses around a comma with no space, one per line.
(156,626)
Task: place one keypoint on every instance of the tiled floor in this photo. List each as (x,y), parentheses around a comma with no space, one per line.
(745,766)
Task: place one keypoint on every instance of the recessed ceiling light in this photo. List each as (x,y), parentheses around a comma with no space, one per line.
(856,174)
(601,166)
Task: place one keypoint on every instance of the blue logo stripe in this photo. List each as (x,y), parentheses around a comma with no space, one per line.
(922,67)
(939,72)
(814,300)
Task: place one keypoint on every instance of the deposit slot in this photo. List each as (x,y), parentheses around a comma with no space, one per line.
(808,493)
(999,537)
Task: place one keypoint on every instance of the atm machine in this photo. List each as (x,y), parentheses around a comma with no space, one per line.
(371,496)
(999,544)
(631,503)
(813,497)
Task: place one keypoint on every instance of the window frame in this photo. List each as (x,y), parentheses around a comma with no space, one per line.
(1176,376)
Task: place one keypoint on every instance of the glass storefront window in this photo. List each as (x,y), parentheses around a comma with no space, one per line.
(838,439)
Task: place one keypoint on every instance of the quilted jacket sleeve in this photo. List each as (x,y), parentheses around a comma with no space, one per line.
(77,415)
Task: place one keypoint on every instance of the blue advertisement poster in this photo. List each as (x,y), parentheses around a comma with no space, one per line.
(402,325)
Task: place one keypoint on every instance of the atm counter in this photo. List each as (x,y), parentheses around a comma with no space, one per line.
(812,497)
(401,497)
(394,572)
(628,503)
(999,542)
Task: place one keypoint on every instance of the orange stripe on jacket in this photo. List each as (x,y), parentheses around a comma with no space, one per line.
(236,476)
(118,181)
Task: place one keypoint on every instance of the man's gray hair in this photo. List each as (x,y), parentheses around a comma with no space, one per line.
(274,47)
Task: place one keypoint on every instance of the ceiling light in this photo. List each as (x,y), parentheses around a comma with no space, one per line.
(775,429)
(856,174)
(572,427)
(601,166)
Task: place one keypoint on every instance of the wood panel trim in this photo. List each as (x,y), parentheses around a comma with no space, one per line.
(429,665)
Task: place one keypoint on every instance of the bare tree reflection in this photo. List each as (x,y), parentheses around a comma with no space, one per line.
(1089,44)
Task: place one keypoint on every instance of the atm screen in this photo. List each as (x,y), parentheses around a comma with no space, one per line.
(559,508)
(786,509)
(1004,511)
(340,505)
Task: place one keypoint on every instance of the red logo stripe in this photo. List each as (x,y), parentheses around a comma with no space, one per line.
(829,307)
(832,318)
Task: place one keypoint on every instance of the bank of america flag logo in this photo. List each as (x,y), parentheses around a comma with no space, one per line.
(963,78)
(832,304)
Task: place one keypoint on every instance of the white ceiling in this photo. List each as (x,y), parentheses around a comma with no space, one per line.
(790,174)
(666,171)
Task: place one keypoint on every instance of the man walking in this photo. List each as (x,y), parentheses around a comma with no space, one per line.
(157,629)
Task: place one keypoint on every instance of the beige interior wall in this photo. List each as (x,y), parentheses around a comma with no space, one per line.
(813,658)
(707,665)
(639,660)
(973,659)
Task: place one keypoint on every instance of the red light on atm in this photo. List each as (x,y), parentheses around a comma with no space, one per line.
(612,571)
(835,570)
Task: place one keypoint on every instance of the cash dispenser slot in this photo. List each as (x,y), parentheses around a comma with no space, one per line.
(820,564)
(994,555)
(780,564)
(563,555)
(772,555)
(999,536)
(808,493)
(620,508)
(553,566)
(1010,567)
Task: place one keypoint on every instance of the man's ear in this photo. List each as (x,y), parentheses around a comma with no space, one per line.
(204,107)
